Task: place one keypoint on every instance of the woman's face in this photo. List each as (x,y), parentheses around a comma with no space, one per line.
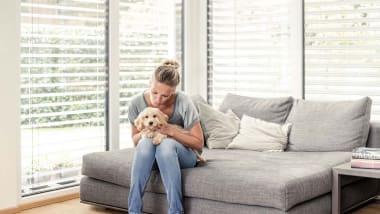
(160,94)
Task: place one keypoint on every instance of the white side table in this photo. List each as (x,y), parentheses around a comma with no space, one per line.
(345,169)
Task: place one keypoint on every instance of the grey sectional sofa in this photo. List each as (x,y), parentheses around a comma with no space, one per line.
(298,180)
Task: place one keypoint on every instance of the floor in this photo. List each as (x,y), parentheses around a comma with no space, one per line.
(75,207)
(371,208)
(70,207)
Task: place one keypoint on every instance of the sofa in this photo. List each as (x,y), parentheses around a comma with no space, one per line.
(297,179)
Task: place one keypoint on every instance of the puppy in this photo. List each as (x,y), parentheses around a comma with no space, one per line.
(150,120)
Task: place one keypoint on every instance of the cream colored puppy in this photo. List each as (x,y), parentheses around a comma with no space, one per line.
(150,120)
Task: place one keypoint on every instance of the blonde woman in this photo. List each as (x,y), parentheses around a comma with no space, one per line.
(176,151)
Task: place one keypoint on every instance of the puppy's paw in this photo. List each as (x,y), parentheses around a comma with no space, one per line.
(149,134)
(156,141)
(158,138)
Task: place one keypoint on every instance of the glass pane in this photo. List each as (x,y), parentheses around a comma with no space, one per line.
(249,48)
(150,31)
(342,51)
(63,74)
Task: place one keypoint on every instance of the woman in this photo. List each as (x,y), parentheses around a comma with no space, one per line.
(174,152)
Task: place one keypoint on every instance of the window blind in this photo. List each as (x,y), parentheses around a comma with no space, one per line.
(150,31)
(63,74)
(248,48)
(342,50)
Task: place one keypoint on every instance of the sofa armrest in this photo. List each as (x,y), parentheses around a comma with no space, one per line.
(374,135)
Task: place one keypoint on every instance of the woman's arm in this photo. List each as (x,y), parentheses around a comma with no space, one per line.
(192,139)
(136,135)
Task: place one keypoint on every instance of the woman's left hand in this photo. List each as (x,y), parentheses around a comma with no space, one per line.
(167,130)
(192,138)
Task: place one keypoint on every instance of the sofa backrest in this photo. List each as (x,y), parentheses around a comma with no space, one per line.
(279,110)
(274,110)
(374,135)
(325,126)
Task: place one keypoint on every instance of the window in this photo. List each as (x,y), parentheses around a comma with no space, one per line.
(150,31)
(250,48)
(63,73)
(342,51)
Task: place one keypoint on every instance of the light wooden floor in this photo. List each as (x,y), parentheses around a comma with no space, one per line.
(372,208)
(70,207)
(75,207)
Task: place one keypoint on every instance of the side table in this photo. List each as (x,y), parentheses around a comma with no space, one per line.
(345,169)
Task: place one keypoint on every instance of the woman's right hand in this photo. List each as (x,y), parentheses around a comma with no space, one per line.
(136,135)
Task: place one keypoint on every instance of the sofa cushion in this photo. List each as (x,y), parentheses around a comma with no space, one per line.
(279,180)
(329,126)
(259,135)
(269,109)
(218,128)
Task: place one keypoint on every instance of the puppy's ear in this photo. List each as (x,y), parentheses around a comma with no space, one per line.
(139,123)
(163,118)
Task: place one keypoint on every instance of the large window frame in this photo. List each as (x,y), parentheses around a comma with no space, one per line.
(63,90)
(112,92)
(143,44)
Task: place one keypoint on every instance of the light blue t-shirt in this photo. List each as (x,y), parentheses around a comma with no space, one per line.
(184,114)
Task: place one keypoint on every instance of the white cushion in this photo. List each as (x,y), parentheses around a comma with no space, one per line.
(259,135)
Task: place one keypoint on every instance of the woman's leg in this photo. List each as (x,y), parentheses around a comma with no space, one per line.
(141,170)
(171,157)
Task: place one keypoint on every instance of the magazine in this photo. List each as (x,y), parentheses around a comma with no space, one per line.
(365,163)
(366,153)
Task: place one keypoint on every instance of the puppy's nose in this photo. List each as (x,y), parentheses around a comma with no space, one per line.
(150,123)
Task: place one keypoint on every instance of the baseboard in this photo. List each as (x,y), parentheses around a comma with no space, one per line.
(9,210)
(41,203)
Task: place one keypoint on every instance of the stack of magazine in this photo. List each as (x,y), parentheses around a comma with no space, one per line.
(365,157)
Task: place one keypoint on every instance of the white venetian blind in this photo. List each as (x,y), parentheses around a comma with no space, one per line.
(342,50)
(63,74)
(150,31)
(249,46)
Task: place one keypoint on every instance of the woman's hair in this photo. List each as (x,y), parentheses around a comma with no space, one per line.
(167,73)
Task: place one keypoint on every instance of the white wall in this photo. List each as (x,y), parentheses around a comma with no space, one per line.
(9,107)
(195,47)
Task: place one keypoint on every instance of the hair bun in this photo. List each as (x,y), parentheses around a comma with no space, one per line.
(171,63)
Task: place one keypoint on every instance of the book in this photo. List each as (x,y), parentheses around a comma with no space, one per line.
(366,153)
(365,163)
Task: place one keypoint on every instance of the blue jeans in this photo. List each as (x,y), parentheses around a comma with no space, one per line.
(170,157)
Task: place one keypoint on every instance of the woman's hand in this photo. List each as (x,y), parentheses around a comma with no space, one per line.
(168,130)
(192,138)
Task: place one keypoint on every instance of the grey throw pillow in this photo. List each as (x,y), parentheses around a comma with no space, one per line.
(196,99)
(329,126)
(219,128)
(273,110)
